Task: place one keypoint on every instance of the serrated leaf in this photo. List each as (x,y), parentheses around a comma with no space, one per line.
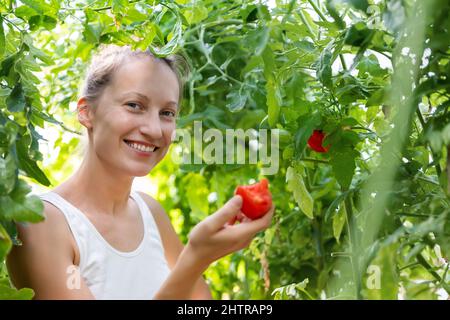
(257,40)
(172,45)
(296,185)
(343,163)
(324,67)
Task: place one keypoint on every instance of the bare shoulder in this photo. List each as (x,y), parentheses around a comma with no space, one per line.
(53,227)
(156,208)
(42,242)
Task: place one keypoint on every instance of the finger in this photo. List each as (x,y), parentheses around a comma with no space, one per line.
(232,220)
(229,210)
(255,226)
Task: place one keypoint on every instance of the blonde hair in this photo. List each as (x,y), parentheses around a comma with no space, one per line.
(110,57)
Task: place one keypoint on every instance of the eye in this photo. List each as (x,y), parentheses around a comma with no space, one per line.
(168,113)
(134,105)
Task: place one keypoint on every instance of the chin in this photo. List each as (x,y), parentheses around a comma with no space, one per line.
(139,172)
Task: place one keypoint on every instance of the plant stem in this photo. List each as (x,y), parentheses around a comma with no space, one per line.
(317,10)
(314,160)
(422,122)
(305,22)
(351,229)
(421,259)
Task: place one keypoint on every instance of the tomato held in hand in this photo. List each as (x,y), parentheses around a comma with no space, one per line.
(316,140)
(257,199)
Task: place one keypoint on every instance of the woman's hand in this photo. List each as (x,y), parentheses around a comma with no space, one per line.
(211,239)
(217,235)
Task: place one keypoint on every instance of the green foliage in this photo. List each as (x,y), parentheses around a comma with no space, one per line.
(339,66)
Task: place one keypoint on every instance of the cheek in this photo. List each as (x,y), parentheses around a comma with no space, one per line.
(169,132)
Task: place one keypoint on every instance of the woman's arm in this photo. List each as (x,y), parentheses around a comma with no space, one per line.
(210,240)
(45,260)
(173,245)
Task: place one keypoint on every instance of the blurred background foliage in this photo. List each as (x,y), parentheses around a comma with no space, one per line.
(357,69)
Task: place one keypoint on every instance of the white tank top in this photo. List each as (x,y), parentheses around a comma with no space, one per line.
(108,272)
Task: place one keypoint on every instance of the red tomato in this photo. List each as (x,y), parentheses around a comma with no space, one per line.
(257,199)
(315,141)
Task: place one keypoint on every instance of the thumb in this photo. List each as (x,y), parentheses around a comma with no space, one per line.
(229,210)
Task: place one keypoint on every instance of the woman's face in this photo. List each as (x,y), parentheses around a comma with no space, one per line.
(135,115)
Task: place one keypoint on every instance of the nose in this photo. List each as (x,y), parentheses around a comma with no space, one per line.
(151,127)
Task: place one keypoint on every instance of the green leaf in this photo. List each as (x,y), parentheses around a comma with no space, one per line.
(296,185)
(7,174)
(92,32)
(7,64)
(306,125)
(358,4)
(236,101)
(343,163)
(273,101)
(5,243)
(339,222)
(269,62)
(323,68)
(25,12)
(119,6)
(43,8)
(196,13)
(41,55)
(2,38)
(8,293)
(172,45)
(44,21)
(27,164)
(257,40)
(16,100)
(19,207)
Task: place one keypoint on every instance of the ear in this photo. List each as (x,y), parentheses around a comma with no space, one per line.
(85,112)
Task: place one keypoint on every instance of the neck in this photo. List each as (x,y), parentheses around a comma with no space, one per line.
(97,187)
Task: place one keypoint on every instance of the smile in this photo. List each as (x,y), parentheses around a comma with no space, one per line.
(140,147)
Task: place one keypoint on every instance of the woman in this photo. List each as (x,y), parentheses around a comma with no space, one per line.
(102,240)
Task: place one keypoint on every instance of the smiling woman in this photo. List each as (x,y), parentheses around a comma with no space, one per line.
(100,238)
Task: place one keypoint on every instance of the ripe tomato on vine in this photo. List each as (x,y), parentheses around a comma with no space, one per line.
(315,141)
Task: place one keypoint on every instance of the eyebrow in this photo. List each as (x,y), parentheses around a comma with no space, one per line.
(140,95)
(144,97)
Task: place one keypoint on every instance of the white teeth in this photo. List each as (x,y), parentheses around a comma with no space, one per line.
(141,147)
